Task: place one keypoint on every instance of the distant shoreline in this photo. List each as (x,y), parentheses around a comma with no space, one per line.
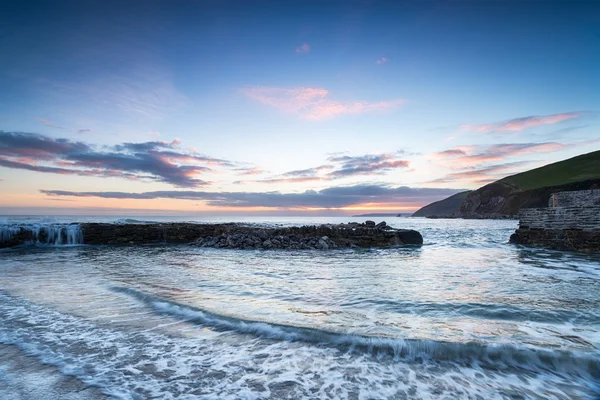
(382,215)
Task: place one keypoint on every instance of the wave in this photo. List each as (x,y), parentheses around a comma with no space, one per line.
(487,311)
(483,354)
(133,221)
(42,234)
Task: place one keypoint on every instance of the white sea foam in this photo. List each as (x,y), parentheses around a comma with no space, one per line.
(44,234)
(408,349)
(134,365)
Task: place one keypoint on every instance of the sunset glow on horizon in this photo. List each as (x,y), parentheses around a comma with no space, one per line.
(289,108)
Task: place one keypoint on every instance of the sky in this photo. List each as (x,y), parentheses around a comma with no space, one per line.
(286,107)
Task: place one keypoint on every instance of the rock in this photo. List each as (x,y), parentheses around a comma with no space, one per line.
(262,234)
(381,225)
(370,223)
(237,236)
(322,245)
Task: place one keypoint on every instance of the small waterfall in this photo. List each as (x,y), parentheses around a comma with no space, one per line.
(42,234)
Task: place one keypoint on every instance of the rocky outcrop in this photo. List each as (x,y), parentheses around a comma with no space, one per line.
(238,236)
(574,228)
(559,239)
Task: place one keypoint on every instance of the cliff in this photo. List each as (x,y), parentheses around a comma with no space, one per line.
(444,208)
(498,200)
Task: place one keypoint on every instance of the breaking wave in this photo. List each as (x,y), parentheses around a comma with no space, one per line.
(479,353)
(52,234)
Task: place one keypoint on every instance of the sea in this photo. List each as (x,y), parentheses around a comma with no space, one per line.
(464,316)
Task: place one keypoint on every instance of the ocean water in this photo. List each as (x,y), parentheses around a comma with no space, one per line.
(465,316)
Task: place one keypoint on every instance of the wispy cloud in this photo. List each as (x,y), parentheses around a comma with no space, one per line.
(472,162)
(84,131)
(330,198)
(146,90)
(154,161)
(303,48)
(313,103)
(340,166)
(49,123)
(483,175)
(519,124)
(368,164)
(308,171)
(247,171)
(382,60)
(466,156)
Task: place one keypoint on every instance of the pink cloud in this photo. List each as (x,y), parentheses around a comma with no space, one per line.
(382,60)
(49,123)
(485,175)
(462,157)
(313,103)
(250,171)
(304,48)
(518,124)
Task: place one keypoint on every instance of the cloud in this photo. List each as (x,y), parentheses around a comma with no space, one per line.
(367,165)
(465,156)
(308,171)
(382,60)
(298,179)
(482,175)
(48,123)
(144,89)
(472,161)
(302,49)
(154,161)
(84,131)
(451,153)
(340,166)
(518,124)
(333,197)
(247,171)
(313,103)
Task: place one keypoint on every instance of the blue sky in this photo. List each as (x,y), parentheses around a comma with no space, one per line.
(334,106)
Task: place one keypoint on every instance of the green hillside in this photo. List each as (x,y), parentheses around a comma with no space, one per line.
(505,197)
(581,168)
(443,208)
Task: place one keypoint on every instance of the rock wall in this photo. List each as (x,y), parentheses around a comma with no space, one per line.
(582,218)
(578,198)
(560,228)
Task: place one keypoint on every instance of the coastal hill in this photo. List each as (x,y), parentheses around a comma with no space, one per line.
(443,208)
(505,197)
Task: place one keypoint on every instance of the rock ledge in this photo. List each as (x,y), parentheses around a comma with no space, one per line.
(240,236)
